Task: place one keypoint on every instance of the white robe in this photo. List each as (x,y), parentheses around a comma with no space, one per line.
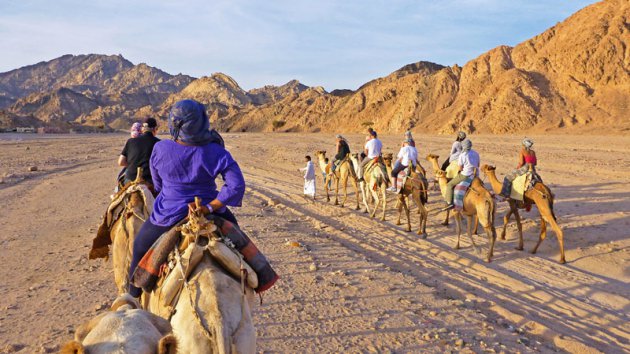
(309,179)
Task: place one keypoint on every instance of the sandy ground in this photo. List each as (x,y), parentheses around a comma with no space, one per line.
(356,284)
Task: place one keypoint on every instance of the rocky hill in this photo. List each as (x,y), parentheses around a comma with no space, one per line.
(573,77)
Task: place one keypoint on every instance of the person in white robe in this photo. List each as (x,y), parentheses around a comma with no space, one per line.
(309,177)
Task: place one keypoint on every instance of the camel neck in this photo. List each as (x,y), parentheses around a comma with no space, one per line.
(496,184)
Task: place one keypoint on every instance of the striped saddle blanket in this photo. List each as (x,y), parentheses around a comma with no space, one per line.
(460,192)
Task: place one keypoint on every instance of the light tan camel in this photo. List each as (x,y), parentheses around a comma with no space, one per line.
(477,202)
(342,173)
(415,188)
(124,329)
(375,181)
(543,198)
(210,314)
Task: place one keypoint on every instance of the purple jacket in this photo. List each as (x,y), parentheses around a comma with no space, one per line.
(180,173)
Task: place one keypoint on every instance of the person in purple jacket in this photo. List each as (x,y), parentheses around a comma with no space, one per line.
(184,168)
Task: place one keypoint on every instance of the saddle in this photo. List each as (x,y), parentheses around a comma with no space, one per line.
(165,268)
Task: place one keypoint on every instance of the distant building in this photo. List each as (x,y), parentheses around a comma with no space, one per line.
(25,130)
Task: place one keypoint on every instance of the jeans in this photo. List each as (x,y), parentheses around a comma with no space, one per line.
(146,237)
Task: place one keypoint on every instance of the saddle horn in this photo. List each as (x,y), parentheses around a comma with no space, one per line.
(139,176)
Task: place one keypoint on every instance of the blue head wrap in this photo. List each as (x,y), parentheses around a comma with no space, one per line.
(189,123)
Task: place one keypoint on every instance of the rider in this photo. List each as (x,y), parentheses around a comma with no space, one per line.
(406,156)
(456,149)
(468,163)
(526,161)
(343,149)
(372,151)
(184,168)
(409,137)
(137,152)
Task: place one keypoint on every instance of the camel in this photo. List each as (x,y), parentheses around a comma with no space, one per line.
(343,172)
(416,189)
(124,329)
(373,181)
(543,198)
(211,315)
(477,202)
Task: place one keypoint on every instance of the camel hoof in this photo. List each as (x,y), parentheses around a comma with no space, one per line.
(423,235)
(444,223)
(409,230)
(398,223)
(357,208)
(488,260)
(382,219)
(533,252)
(519,248)
(502,238)
(456,247)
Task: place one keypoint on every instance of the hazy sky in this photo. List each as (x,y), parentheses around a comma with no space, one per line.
(335,44)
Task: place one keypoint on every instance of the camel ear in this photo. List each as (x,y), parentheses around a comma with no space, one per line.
(167,345)
(125,299)
(72,347)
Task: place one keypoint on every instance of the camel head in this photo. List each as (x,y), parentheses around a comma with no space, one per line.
(320,153)
(114,329)
(487,168)
(388,157)
(432,157)
(440,174)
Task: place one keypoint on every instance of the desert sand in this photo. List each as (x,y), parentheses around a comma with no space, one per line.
(355,284)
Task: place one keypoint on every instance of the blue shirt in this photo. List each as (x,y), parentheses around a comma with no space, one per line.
(181,173)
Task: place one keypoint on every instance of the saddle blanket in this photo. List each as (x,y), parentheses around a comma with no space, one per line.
(460,192)
(100,244)
(452,170)
(400,180)
(520,185)
(147,273)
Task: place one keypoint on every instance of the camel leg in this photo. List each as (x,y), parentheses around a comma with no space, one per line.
(356,191)
(517,216)
(365,195)
(445,223)
(492,237)
(506,219)
(375,204)
(344,183)
(424,213)
(399,207)
(326,184)
(560,235)
(384,191)
(458,223)
(475,232)
(337,180)
(542,236)
(469,224)
(406,206)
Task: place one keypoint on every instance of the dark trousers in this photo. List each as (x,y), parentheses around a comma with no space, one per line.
(445,164)
(146,237)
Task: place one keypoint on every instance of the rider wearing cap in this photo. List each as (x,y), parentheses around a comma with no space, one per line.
(137,152)
(456,149)
(468,163)
(343,149)
(526,161)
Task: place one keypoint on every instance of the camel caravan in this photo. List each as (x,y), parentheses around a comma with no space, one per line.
(459,182)
(186,274)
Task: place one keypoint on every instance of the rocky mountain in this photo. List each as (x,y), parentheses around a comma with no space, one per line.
(573,77)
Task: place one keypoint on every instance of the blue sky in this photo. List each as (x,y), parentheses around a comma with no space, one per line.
(335,44)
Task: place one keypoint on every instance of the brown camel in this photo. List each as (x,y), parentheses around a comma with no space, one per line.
(415,188)
(543,198)
(477,202)
(211,314)
(342,173)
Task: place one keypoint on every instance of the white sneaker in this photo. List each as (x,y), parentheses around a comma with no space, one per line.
(392,189)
